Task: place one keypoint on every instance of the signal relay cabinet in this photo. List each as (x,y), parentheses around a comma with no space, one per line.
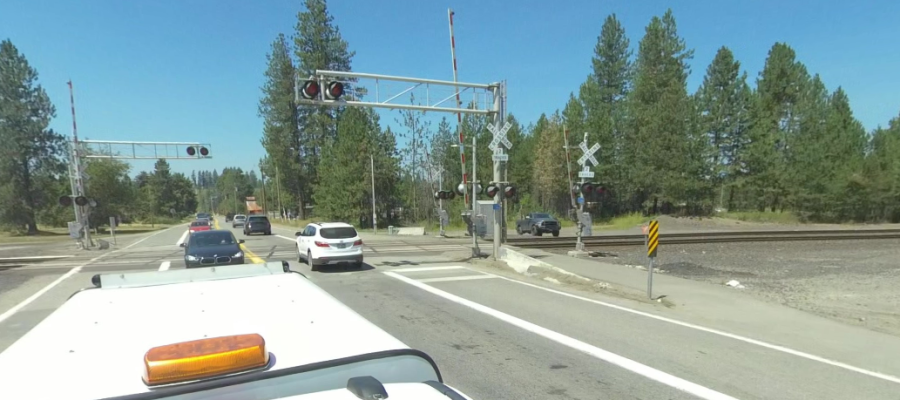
(588,223)
(484,219)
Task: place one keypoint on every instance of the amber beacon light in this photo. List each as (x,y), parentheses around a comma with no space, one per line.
(204,358)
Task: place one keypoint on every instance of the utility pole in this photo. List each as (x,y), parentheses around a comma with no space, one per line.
(264,201)
(278,190)
(235,200)
(494,190)
(476,252)
(374,214)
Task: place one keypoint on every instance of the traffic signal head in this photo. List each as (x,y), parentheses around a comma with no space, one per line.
(509,191)
(81,200)
(600,190)
(310,90)
(492,190)
(65,201)
(204,151)
(444,195)
(334,90)
(587,188)
(192,151)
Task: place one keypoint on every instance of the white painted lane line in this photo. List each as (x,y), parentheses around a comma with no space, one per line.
(423,269)
(285,238)
(760,343)
(456,278)
(183,237)
(612,358)
(73,271)
(165,265)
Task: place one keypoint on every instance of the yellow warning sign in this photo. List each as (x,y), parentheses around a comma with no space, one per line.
(653,238)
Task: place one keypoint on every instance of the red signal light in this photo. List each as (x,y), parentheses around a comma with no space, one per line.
(191,150)
(334,91)
(509,191)
(204,151)
(492,190)
(310,90)
(587,188)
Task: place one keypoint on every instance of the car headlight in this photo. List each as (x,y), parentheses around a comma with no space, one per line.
(238,254)
(190,258)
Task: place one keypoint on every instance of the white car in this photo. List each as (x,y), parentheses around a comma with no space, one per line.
(329,243)
(238,220)
(233,332)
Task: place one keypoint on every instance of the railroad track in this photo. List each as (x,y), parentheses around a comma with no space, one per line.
(707,237)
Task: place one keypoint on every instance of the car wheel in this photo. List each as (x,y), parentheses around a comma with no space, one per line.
(555,233)
(519,230)
(534,230)
(309,260)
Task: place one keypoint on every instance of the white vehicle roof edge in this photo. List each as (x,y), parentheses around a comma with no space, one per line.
(80,344)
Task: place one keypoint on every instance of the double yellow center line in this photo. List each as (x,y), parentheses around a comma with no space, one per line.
(249,254)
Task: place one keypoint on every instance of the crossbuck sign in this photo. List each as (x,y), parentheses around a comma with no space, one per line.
(587,157)
(499,137)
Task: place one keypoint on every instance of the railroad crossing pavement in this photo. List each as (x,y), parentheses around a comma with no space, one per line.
(498,336)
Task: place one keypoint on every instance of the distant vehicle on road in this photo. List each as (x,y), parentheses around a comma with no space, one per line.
(238,220)
(538,224)
(229,217)
(329,243)
(204,215)
(193,334)
(199,225)
(210,248)
(257,224)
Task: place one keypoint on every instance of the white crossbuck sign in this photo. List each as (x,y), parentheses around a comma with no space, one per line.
(588,156)
(499,136)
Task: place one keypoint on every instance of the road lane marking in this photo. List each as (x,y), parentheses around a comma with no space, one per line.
(612,358)
(456,278)
(252,256)
(744,339)
(423,269)
(165,265)
(183,237)
(73,271)
(285,238)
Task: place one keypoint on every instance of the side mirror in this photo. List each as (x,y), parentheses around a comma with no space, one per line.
(241,241)
(181,245)
(298,233)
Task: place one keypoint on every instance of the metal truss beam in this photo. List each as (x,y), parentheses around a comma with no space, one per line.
(128,150)
(481,107)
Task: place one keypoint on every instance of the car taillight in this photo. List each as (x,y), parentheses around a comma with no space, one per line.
(358,242)
(322,244)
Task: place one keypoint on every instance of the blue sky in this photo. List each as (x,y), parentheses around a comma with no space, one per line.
(190,70)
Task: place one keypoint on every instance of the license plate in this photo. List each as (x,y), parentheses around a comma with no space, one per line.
(343,245)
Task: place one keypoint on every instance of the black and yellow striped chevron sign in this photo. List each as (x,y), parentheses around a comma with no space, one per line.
(653,238)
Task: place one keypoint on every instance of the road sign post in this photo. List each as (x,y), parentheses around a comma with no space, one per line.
(498,158)
(652,245)
(585,160)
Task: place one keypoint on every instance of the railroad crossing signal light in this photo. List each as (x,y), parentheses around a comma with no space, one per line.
(600,190)
(65,201)
(509,191)
(334,90)
(81,201)
(444,195)
(310,90)
(192,151)
(492,190)
(587,188)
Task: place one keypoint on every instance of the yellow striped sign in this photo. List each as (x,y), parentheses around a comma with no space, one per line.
(653,238)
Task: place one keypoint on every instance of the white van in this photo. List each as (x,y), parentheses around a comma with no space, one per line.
(226,333)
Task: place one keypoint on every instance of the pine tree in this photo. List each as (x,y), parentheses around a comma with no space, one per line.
(658,146)
(724,105)
(31,154)
(281,135)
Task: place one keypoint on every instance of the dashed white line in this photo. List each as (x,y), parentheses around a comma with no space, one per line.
(285,238)
(165,265)
(457,278)
(183,237)
(612,358)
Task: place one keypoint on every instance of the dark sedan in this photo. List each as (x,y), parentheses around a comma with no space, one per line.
(211,248)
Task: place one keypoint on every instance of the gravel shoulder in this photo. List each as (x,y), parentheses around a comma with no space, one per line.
(855,282)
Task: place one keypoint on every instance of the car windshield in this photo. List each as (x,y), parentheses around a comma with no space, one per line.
(239,217)
(214,238)
(541,216)
(199,223)
(338,233)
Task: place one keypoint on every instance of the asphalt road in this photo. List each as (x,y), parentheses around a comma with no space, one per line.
(493,336)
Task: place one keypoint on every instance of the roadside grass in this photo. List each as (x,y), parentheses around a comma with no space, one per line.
(53,234)
(762,217)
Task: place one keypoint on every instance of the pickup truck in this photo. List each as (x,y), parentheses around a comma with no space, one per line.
(537,224)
